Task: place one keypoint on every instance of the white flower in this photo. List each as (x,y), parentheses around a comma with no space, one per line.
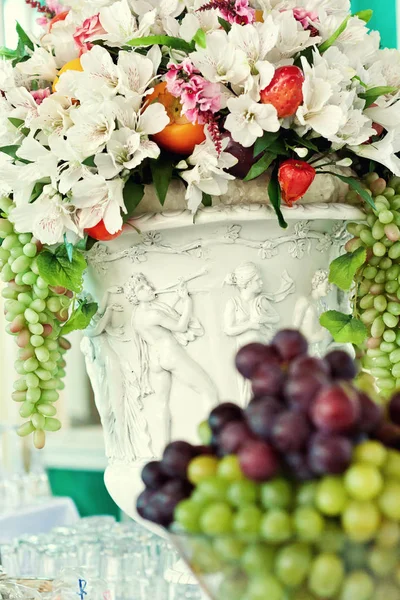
(97,199)
(48,218)
(41,65)
(385,68)
(120,24)
(92,128)
(7,81)
(207,175)
(25,107)
(136,73)
(248,119)
(60,42)
(383,152)
(53,115)
(206,20)
(316,112)
(256,41)
(128,147)
(9,134)
(221,61)
(164,11)
(43,163)
(292,38)
(71,169)
(386,113)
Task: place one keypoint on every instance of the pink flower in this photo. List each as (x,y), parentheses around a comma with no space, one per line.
(55,7)
(177,75)
(233,11)
(40,95)
(305,17)
(89,29)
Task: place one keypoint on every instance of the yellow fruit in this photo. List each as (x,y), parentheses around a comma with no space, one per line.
(72,65)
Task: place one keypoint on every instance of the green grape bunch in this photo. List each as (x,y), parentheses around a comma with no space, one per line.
(34,311)
(376,300)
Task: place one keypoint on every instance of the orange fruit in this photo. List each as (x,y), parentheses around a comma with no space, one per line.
(259,17)
(180,136)
(72,65)
(61,17)
(99,232)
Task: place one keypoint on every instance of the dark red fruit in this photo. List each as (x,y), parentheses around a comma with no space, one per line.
(153,475)
(290,432)
(308,365)
(341,365)
(329,454)
(389,435)
(261,415)
(285,92)
(244,155)
(258,461)
(176,459)
(233,436)
(295,177)
(335,409)
(371,415)
(164,502)
(301,391)
(394,408)
(223,414)
(251,356)
(267,380)
(143,502)
(298,467)
(290,343)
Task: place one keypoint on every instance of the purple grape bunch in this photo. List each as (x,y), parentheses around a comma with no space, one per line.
(304,420)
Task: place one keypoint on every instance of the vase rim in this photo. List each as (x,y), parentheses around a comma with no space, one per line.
(248,212)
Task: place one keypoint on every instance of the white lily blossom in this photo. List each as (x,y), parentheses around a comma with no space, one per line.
(97,199)
(248,119)
(25,107)
(53,115)
(221,61)
(256,41)
(48,218)
(91,129)
(194,20)
(383,152)
(386,112)
(42,64)
(121,25)
(207,175)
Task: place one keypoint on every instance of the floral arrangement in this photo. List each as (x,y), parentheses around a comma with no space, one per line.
(114,95)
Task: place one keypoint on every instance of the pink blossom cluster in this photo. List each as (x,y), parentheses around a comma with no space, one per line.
(89,29)
(40,95)
(200,99)
(305,17)
(54,7)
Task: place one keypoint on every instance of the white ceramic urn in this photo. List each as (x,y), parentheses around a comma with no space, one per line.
(178,297)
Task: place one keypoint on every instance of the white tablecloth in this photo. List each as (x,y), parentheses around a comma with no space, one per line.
(39,518)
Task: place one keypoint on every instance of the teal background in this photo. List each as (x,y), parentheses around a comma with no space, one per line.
(384,18)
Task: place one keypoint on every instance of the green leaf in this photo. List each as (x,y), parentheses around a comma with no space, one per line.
(343,269)
(274,193)
(355,185)
(161,171)
(330,41)
(162,40)
(374,93)
(81,245)
(344,329)
(306,143)
(57,270)
(8,53)
(133,193)
(89,161)
(200,38)
(37,190)
(365,15)
(69,248)
(264,142)
(260,166)
(24,37)
(207,199)
(80,318)
(224,24)
(18,123)
(11,151)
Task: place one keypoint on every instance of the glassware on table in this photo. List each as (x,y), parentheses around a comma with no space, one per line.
(13,591)
(81,584)
(9,559)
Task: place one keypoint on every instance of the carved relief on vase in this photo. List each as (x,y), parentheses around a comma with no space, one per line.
(308,310)
(160,332)
(250,315)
